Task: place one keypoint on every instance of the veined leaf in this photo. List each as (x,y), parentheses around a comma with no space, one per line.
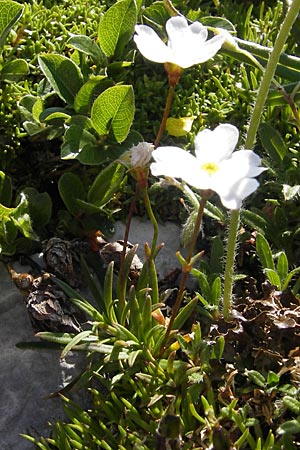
(106,184)
(10,13)
(63,74)
(117,26)
(113,111)
(86,45)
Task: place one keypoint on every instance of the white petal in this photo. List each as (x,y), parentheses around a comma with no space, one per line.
(216,145)
(239,191)
(172,162)
(247,162)
(208,49)
(184,40)
(150,44)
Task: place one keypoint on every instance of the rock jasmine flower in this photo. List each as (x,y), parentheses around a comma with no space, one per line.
(187,44)
(137,160)
(214,167)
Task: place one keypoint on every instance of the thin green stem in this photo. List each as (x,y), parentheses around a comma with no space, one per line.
(186,269)
(250,140)
(269,73)
(153,221)
(228,279)
(123,282)
(165,115)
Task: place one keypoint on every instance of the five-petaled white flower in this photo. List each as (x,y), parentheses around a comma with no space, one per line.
(187,44)
(214,167)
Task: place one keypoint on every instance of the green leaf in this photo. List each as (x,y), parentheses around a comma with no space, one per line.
(216,290)
(217,255)
(113,111)
(71,188)
(10,12)
(184,314)
(256,377)
(264,252)
(40,206)
(291,403)
(21,218)
(157,13)
(15,70)
(272,142)
(117,26)
(218,348)
(63,75)
(273,277)
(89,92)
(188,228)
(74,141)
(282,266)
(86,45)
(5,189)
(289,427)
(106,184)
(76,340)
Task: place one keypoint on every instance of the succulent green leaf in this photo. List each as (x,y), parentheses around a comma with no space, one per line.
(184,314)
(216,290)
(10,12)
(291,403)
(282,266)
(272,142)
(15,70)
(117,26)
(86,45)
(71,188)
(63,75)
(112,112)
(273,277)
(106,184)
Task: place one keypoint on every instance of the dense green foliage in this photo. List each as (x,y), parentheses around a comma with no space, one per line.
(79,96)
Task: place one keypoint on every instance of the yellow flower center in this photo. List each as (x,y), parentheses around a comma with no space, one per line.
(210,168)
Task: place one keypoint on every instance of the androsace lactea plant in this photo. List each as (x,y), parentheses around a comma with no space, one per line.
(214,167)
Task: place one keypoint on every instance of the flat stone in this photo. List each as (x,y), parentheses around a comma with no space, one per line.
(141,231)
(26,376)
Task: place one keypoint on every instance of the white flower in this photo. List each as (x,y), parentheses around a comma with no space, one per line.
(141,154)
(187,44)
(214,167)
(138,156)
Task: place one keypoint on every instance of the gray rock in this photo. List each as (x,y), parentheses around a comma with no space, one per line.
(26,376)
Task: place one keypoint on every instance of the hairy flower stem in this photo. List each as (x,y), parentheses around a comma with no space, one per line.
(186,268)
(250,140)
(229,267)
(269,73)
(165,115)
